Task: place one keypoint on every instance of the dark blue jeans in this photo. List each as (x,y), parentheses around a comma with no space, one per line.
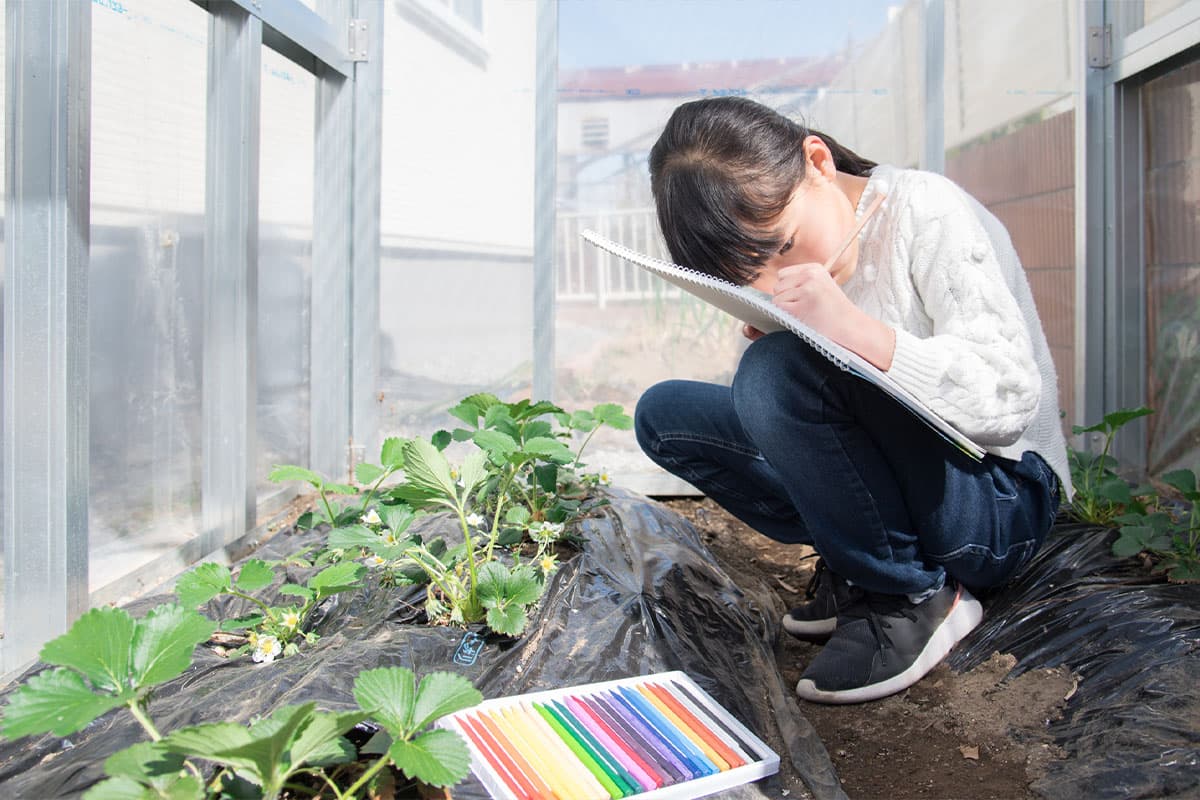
(804,452)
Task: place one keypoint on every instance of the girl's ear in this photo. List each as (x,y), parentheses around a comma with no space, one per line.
(819,156)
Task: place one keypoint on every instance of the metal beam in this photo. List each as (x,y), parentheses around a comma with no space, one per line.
(295,31)
(332,256)
(544,208)
(1169,35)
(368,153)
(933,21)
(46,348)
(230,386)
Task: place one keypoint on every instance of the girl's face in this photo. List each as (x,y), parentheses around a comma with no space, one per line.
(815,222)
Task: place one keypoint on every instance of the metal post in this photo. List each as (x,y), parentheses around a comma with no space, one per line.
(1093,134)
(332,256)
(933,153)
(46,349)
(544,188)
(229,391)
(368,138)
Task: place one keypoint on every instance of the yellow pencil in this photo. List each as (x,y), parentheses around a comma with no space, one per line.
(532,753)
(558,774)
(583,781)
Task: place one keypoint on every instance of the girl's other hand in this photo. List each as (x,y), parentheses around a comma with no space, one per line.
(752,333)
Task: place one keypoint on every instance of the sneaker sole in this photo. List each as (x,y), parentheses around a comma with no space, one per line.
(965,614)
(810,628)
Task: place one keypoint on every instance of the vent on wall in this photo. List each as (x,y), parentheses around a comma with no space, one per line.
(595,133)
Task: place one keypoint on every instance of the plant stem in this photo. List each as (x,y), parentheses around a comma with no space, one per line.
(579,455)
(366,776)
(496,521)
(370,494)
(325,502)
(266,609)
(135,708)
(470,548)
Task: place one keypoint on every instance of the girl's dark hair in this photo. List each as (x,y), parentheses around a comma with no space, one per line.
(722,171)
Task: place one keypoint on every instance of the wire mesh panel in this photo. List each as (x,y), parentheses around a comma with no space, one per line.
(148,144)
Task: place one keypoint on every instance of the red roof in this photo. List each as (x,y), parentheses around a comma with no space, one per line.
(708,78)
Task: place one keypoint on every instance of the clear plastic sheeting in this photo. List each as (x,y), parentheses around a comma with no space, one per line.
(643,596)
(1130,730)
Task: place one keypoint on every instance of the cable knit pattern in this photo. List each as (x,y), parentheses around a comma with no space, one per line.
(940,269)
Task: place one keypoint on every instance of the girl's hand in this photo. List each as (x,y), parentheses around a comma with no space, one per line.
(752,333)
(809,293)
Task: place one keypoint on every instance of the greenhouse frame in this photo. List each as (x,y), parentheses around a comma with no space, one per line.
(247,232)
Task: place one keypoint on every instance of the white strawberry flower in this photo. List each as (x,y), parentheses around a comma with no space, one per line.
(475,520)
(267,648)
(372,518)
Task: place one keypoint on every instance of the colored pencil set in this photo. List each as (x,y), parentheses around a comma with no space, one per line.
(648,737)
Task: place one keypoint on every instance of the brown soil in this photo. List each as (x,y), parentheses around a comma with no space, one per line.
(970,735)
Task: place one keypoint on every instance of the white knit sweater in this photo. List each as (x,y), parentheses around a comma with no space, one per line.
(941,270)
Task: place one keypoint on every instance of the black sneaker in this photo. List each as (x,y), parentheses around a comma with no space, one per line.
(884,643)
(816,619)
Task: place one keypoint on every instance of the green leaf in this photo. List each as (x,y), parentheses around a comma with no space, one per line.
(538,428)
(474,471)
(397,517)
(266,752)
(1118,419)
(441,439)
(295,590)
(352,536)
(366,473)
(584,421)
(550,449)
(419,497)
(174,787)
(321,742)
(392,452)
(510,620)
(613,415)
(536,410)
(307,521)
(467,412)
(462,435)
(255,574)
(496,442)
(147,770)
(341,577)
(340,488)
(1114,490)
(517,515)
(438,758)
(1184,480)
(286,473)
(242,623)
(203,584)
(98,646)
(428,469)
(1184,571)
(491,580)
(1128,544)
(388,694)
(524,586)
(497,416)
(164,641)
(442,693)
(56,701)
(546,476)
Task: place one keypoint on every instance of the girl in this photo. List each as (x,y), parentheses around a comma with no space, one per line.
(930,292)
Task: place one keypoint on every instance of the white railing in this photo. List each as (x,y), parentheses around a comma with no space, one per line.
(586,273)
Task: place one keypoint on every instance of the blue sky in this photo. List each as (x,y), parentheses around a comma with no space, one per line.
(599,33)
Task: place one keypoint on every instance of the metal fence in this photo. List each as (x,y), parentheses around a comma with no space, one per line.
(588,274)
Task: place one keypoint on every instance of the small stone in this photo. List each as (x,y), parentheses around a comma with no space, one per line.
(969,751)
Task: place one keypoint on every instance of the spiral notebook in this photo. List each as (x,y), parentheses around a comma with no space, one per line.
(764,315)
